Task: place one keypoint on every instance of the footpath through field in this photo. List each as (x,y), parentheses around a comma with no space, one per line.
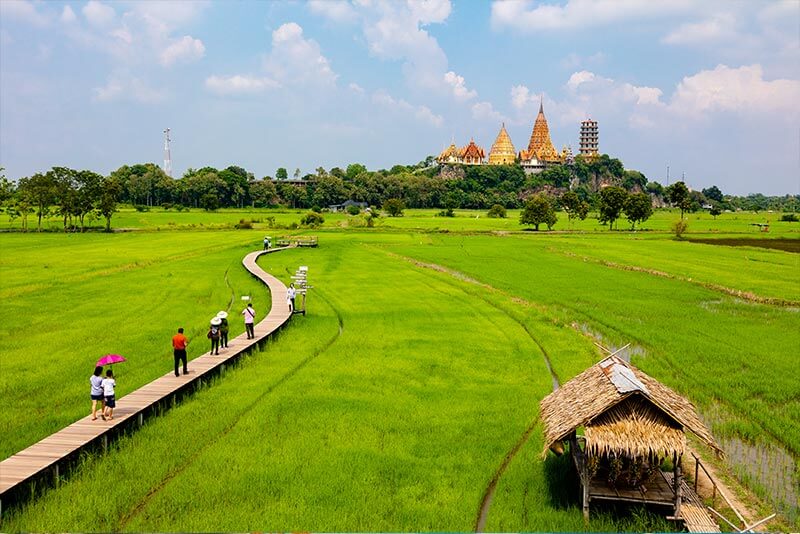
(44,458)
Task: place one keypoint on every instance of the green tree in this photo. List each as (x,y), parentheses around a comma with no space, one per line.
(497,211)
(354,170)
(612,200)
(714,193)
(39,191)
(678,195)
(394,207)
(109,193)
(715,211)
(655,188)
(209,202)
(88,189)
(574,206)
(263,193)
(638,208)
(538,210)
(633,180)
(281,174)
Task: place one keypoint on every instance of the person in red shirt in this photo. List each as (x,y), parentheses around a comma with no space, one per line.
(179,343)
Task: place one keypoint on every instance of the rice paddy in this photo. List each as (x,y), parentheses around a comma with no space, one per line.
(393,404)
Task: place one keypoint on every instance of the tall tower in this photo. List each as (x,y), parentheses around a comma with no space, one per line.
(589,138)
(167,155)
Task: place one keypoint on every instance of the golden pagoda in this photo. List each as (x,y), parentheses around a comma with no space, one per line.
(540,147)
(472,154)
(502,152)
(450,154)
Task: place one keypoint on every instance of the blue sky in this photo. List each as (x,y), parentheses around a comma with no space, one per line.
(709,88)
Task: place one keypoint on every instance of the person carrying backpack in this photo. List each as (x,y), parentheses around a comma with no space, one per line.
(214,334)
(223,329)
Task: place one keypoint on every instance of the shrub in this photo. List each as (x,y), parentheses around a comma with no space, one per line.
(446,213)
(312,219)
(167,206)
(789,217)
(142,207)
(679,227)
(271,221)
(497,211)
(394,207)
(181,207)
(353,210)
(244,224)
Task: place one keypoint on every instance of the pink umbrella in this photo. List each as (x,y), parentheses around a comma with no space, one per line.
(109,359)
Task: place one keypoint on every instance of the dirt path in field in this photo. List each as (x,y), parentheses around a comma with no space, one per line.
(138,506)
(738,293)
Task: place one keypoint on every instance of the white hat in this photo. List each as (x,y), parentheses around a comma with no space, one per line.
(216,321)
(222,315)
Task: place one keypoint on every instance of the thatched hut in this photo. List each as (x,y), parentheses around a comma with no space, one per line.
(631,423)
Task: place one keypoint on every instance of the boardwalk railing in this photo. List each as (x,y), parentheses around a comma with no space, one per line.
(46,461)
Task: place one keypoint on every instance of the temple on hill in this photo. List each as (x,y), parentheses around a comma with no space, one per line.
(502,152)
(540,148)
(539,155)
(471,154)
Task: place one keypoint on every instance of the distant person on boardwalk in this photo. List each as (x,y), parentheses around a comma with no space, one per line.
(108,392)
(179,343)
(224,328)
(291,293)
(249,315)
(267,244)
(96,380)
(214,334)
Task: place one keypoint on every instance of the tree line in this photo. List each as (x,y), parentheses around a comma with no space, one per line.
(80,196)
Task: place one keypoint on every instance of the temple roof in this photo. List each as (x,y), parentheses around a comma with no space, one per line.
(472,151)
(540,144)
(502,148)
(449,152)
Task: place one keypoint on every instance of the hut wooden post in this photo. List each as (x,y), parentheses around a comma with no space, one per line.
(676,483)
(579,458)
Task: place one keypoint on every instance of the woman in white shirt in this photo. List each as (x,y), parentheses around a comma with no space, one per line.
(108,391)
(96,380)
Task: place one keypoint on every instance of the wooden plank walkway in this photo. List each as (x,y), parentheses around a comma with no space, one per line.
(46,455)
(694,513)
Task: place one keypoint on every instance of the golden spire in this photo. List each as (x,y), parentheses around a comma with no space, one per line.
(502,152)
(540,144)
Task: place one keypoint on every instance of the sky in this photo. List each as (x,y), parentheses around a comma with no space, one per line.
(710,90)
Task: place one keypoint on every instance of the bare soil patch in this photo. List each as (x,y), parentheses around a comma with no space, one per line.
(787,245)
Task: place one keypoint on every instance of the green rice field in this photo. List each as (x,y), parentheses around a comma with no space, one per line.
(393,405)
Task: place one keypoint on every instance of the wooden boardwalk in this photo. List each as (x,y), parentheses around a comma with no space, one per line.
(694,513)
(45,458)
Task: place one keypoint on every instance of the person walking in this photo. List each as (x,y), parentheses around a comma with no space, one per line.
(179,343)
(96,380)
(266,243)
(108,392)
(249,315)
(291,293)
(213,334)
(224,328)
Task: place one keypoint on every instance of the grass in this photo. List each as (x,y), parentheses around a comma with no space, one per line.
(392,405)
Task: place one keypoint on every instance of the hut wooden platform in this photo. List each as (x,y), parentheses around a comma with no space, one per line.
(48,459)
(626,417)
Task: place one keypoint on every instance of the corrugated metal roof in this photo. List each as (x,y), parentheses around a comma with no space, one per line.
(621,376)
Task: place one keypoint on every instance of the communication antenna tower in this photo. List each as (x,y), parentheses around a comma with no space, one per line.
(167,155)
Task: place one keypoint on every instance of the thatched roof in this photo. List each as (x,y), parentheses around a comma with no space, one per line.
(649,424)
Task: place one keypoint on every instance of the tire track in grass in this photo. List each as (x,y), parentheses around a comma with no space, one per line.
(140,505)
(488,495)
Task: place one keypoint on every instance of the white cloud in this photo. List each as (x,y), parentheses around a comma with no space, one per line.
(521,98)
(68,16)
(719,27)
(124,87)
(422,113)
(527,16)
(430,11)
(574,61)
(484,111)
(23,11)
(239,85)
(742,89)
(335,10)
(578,78)
(98,14)
(296,60)
(356,88)
(460,91)
(184,49)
